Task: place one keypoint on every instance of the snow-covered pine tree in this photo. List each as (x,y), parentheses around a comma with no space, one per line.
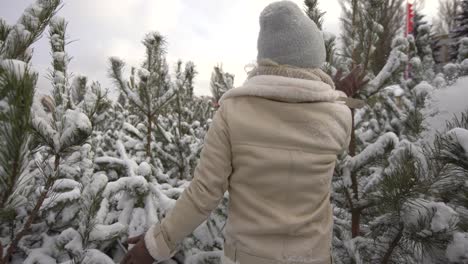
(179,128)
(92,100)
(151,92)
(460,31)
(63,170)
(18,204)
(422,61)
(142,190)
(17,85)
(220,83)
(384,210)
(463,52)
(389,15)
(367,27)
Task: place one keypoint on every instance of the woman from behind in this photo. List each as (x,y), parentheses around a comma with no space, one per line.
(272,145)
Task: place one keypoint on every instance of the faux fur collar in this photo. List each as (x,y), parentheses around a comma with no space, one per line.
(285,89)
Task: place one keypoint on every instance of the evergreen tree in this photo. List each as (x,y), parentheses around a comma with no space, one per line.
(19,206)
(181,150)
(390,14)
(383,206)
(463,53)
(369,26)
(423,59)
(220,83)
(151,92)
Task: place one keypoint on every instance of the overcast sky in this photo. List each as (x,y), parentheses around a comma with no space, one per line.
(206,32)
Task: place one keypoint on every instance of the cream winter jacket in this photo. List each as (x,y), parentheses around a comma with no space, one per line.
(272,145)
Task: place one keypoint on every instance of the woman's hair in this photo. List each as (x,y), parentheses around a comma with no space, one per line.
(269,67)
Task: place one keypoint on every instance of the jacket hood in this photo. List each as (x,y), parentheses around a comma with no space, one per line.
(285,89)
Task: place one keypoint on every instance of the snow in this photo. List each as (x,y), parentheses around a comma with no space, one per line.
(71,240)
(17,67)
(457,250)
(135,185)
(373,150)
(395,90)
(443,218)
(204,257)
(423,89)
(128,127)
(444,104)
(461,136)
(105,232)
(99,182)
(76,127)
(144,169)
(59,77)
(137,224)
(396,59)
(59,56)
(62,184)
(94,256)
(62,197)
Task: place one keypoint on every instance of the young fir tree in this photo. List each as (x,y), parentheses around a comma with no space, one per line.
(220,83)
(390,13)
(64,168)
(383,208)
(179,152)
(151,92)
(368,28)
(19,205)
(423,59)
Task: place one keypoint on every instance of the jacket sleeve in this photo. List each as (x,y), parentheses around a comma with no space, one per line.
(201,196)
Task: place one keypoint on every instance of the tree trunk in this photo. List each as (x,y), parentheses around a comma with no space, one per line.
(355,212)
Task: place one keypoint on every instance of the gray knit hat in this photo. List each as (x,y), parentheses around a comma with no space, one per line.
(288,37)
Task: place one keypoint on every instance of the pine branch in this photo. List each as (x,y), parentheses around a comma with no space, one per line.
(28,30)
(18,84)
(393,245)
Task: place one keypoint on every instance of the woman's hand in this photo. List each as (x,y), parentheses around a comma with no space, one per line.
(352,83)
(138,254)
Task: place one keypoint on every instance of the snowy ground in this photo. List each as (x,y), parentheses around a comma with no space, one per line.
(445,104)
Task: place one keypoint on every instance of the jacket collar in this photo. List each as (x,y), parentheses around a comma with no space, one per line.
(285,89)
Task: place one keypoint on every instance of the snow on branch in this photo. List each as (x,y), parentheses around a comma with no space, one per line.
(77,128)
(372,151)
(397,58)
(115,72)
(135,185)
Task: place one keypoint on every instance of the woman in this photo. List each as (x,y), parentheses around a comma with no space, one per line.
(273,145)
